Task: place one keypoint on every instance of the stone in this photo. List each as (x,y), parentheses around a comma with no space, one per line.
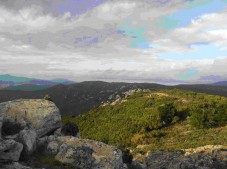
(178,160)
(10,150)
(137,165)
(28,139)
(77,156)
(41,115)
(104,156)
(220,154)
(42,141)
(53,147)
(57,132)
(14,165)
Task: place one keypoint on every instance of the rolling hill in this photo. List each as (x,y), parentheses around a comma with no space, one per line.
(157,120)
(76,98)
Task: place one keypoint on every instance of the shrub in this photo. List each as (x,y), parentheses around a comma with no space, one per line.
(70,129)
(47,97)
(207,116)
(127,157)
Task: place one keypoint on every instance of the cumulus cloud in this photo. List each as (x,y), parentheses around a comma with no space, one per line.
(37,40)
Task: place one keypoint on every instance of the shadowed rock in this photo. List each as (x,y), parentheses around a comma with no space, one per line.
(28,139)
(10,150)
(103,156)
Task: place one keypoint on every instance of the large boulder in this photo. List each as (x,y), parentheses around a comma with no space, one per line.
(41,115)
(97,154)
(181,160)
(28,139)
(14,165)
(10,150)
(77,156)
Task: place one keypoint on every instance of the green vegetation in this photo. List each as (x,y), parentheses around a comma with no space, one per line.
(50,162)
(47,97)
(49,159)
(163,119)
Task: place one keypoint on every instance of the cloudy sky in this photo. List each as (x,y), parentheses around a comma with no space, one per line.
(163,41)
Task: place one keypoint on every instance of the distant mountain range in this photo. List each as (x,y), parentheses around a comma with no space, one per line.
(28,84)
(222,83)
(81,97)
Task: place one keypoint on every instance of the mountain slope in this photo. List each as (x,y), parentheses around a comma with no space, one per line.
(158,120)
(222,83)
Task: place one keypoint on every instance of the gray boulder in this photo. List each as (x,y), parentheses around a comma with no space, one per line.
(28,139)
(178,160)
(101,155)
(38,114)
(10,150)
(77,156)
(14,165)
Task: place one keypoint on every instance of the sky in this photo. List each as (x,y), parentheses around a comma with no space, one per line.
(156,41)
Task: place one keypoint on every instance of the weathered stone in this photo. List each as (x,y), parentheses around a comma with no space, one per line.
(57,132)
(10,150)
(105,156)
(221,154)
(53,147)
(28,139)
(38,114)
(178,160)
(6,145)
(137,165)
(42,141)
(78,156)
(14,165)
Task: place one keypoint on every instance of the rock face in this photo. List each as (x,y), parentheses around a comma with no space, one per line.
(77,156)
(10,150)
(28,139)
(14,165)
(41,115)
(178,160)
(91,153)
(27,125)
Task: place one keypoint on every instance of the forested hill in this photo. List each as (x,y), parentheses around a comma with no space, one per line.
(157,120)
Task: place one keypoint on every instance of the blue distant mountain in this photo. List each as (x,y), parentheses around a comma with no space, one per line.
(222,83)
(10,82)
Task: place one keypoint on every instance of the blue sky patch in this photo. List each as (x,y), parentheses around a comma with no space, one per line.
(189,74)
(194,10)
(137,33)
(200,51)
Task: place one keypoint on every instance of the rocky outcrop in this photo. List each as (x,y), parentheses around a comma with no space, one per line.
(10,150)
(14,165)
(77,156)
(30,125)
(28,139)
(41,115)
(96,154)
(212,159)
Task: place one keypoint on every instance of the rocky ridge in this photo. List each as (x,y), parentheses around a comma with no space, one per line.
(31,125)
(27,126)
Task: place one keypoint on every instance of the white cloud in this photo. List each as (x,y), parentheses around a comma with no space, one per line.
(44,45)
